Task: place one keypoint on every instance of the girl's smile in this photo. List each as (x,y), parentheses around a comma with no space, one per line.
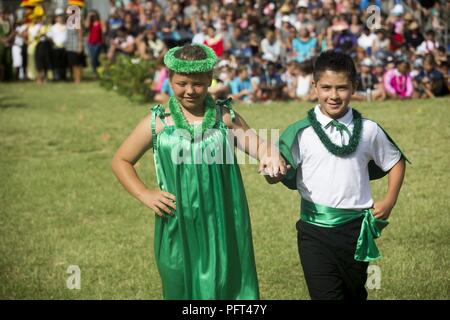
(191,90)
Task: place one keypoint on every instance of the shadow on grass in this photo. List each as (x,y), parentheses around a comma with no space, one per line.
(8,102)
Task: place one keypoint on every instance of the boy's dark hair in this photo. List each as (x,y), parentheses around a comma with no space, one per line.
(191,53)
(334,61)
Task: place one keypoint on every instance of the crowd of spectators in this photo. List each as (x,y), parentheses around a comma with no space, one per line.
(266,49)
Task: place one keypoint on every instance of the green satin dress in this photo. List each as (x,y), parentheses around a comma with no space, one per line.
(204,250)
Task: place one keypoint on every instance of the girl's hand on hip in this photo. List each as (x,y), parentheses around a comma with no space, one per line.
(159,201)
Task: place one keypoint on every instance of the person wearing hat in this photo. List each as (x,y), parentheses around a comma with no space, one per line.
(302,4)
(34,16)
(39,46)
(398,23)
(76,3)
(58,36)
(397,10)
(285,15)
(368,87)
(285,8)
(389,61)
(203,241)
(30,3)
(301,19)
(43,54)
(285,33)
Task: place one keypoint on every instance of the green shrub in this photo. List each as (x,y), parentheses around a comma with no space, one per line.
(127,76)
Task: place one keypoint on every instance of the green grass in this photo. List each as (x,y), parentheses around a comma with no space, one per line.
(61,205)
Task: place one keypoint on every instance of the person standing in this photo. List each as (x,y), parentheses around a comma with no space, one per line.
(58,36)
(95,39)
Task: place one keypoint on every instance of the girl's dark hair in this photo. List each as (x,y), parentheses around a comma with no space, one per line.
(95,14)
(191,53)
(334,61)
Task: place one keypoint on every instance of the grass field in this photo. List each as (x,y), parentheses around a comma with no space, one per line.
(61,204)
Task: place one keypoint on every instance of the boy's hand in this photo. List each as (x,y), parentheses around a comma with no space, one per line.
(382,209)
(159,201)
(274,166)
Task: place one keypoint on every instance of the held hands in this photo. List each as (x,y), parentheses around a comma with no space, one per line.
(159,201)
(272,164)
(382,209)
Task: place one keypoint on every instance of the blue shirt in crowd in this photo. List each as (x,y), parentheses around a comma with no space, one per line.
(166,88)
(304,49)
(237,85)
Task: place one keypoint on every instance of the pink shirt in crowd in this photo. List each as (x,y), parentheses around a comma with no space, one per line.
(160,78)
(397,83)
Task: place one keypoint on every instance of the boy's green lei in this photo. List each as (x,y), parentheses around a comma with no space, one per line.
(335,149)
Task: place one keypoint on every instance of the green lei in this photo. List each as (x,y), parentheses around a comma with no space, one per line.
(333,148)
(209,118)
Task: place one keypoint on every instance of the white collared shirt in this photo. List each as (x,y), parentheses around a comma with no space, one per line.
(341,182)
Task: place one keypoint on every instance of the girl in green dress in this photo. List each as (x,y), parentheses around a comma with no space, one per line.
(202,242)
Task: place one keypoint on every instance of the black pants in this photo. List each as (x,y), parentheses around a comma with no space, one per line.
(326,255)
(43,56)
(59,57)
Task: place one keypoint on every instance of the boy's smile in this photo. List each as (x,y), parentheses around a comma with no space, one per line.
(334,91)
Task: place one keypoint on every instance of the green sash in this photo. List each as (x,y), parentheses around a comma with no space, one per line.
(323,216)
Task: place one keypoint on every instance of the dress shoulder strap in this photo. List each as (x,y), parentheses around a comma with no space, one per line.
(226,103)
(159,111)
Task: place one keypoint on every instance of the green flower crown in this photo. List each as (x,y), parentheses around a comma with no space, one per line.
(190,66)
